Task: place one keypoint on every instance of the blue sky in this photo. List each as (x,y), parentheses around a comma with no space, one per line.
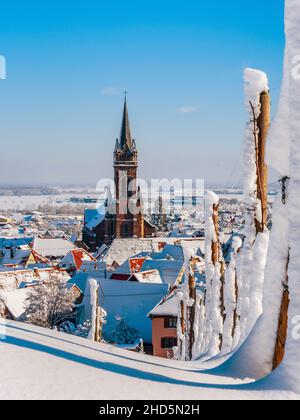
(181,62)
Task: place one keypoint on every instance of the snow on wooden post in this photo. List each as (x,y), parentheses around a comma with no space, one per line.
(216,259)
(216,240)
(252,259)
(192,308)
(261,125)
(282,329)
(101,314)
(264,122)
(187,298)
(231,297)
(214,275)
(289,370)
(256,170)
(236,294)
(283,265)
(98,317)
(283,321)
(182,317)
(98,313)
(256,180)
(223,270)
(181,329)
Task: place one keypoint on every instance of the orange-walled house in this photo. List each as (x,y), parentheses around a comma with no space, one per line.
(164,327)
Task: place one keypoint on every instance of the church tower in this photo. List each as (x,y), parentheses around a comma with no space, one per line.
(125,168)
(124,217)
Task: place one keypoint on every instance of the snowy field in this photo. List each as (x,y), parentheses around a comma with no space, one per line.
(42,364)
(32,202)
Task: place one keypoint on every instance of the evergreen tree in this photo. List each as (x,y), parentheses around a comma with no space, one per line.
(122,333)
(160,217)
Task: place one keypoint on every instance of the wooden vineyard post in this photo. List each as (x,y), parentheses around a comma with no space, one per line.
(282,331)
(216,259)
(192,309)
(235,313)
(216,244)
(223,291)
(182,325)
(282,325)
(260,132)
(264,122)
(100,323)
(98,329)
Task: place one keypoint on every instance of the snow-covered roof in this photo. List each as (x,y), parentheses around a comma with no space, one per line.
(19,255)
(170,251)
(81,279)
(91,267)
(9,232)
(122,249)
(197,244)
(168,307)
(15,302)
(152,276)
(169,304)
(169,270)
(75,259)
(14,242)
(53,248)
(94,217)
(11,278)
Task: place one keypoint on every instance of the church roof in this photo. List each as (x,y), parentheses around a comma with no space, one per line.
(94,217)
(125,138)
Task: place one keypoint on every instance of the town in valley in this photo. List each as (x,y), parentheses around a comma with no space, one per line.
(149,235)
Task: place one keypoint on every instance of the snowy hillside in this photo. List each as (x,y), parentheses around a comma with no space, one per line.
(41,364)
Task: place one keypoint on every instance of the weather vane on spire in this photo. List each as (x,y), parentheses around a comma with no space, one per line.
(125,93)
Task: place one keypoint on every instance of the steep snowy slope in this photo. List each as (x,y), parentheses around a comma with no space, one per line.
(41,364)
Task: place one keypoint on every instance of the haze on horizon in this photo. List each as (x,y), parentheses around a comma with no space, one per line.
(181,62)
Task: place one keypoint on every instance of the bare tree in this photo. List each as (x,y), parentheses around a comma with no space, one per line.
(49,303)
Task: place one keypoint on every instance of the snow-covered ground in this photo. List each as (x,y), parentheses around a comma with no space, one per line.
(32,202)
(41,364)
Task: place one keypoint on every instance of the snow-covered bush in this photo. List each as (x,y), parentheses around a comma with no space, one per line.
(84,329)
(67,327)
(121,333)
(49,304)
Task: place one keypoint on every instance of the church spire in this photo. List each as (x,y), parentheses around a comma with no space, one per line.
(125,138)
